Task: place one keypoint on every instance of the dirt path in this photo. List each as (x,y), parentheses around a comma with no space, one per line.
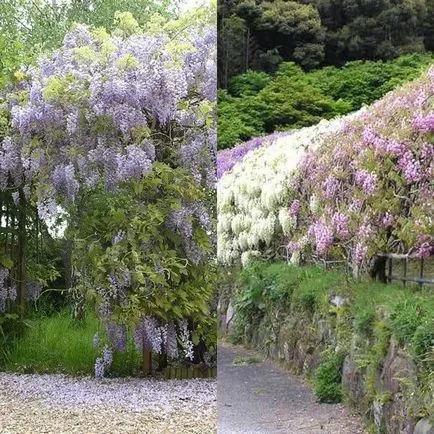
(262,398)
(36,404)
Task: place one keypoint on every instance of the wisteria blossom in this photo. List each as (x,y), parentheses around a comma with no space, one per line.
(364,183)
(104,114)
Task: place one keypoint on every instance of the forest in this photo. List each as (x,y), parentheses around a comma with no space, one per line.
(259,35)
(286,64)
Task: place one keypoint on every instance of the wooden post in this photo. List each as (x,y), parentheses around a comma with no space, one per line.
(421,271)
(21,271)
(147,361)
(389,277)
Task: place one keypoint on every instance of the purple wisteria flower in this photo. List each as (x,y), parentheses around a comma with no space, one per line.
(340,222)
(367,180)
(323,236)
(228,158)
(294,209)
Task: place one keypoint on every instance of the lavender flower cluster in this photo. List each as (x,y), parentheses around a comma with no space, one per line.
(153,336)
(94,100)
(228,158)
(385,178)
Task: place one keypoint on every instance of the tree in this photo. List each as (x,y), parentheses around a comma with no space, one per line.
(371,29)
(129,113)
(295,29)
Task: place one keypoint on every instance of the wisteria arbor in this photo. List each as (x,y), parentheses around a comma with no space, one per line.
(116,131)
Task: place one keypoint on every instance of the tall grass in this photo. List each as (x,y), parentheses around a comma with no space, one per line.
(55,344)
(58,344)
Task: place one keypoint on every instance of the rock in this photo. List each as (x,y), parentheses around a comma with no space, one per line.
(325,331)
(352,381)
(424,426)
(377,409)
(397,365)
(337,300)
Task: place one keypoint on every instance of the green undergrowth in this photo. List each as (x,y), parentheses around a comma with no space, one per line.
(58,344)
(364,316)
(327,385)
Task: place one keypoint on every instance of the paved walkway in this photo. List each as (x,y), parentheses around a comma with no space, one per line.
(263,398)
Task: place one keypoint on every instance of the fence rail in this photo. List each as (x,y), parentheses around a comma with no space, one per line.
(385,271)
(391,257)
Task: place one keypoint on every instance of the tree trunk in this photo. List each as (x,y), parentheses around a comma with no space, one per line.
(147,361)
(21,266)
(247,48)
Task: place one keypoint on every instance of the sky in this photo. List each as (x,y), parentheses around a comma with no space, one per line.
(188,4)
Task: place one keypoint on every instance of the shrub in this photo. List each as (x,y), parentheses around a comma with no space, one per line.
(257,103)
(327,384)
(405,319)
(423,340)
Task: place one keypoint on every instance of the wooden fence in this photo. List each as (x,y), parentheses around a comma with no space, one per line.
(404,278)
(385,270)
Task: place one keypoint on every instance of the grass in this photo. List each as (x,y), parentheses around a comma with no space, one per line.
(249,360)
(55,344)
(58,344)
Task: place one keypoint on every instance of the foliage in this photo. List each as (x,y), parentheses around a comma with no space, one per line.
(261,34)
(391,309)
(131,247)
(29,28)
(406,318)
(423,341)
(343,189)
(370,318)
(256,103)
(122,125)
(327,384)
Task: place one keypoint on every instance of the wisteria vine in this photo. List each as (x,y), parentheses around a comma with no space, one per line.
(125,113)
(364,184)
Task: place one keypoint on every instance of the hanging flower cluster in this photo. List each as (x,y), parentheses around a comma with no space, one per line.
(129,114)
(367,185)
(105,107)
(256,201)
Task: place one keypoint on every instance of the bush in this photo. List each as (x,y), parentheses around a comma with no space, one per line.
(327,384)
(405,319)
(257,103)
(423,341)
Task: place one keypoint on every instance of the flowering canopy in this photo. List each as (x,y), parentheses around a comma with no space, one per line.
(127,113)
(365,185)
(101,106)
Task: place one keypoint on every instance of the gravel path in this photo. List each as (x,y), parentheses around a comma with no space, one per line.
(263,398)
(34,404)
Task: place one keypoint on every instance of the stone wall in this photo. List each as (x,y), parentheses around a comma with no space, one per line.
(385,388)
